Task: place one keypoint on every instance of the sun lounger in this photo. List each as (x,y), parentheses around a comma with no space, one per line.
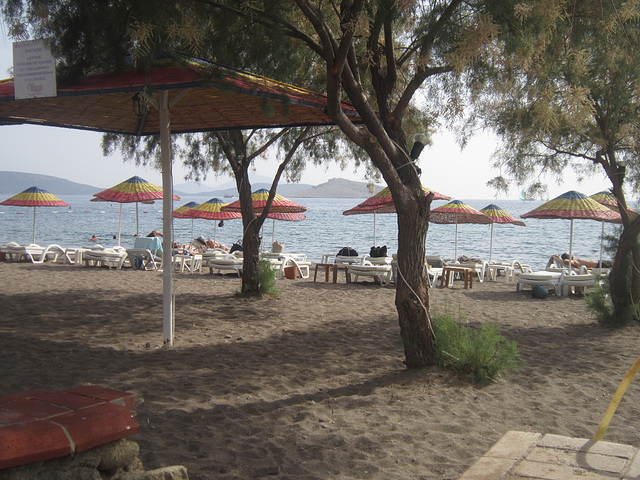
(111,257)
(143,259)
(544,278)
(228,262)
(382,273)
(18,253)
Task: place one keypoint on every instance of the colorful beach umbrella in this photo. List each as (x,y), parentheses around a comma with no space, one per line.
(382,202)
(573,205)
(259,198)
(211,210)
(499,215)
(177,213)
(456,212)
(35,197)
(132,190)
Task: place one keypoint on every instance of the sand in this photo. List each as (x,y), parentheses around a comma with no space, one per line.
(311,385)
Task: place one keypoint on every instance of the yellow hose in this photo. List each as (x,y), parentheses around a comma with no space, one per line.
(615,401)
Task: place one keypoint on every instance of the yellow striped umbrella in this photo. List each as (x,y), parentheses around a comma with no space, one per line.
(573,205)
(499,215)
(211,210)
(132,190)
(259,198)
(456,212)
(382,202)
(35,197)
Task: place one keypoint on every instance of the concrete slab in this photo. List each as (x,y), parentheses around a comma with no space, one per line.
(526,455)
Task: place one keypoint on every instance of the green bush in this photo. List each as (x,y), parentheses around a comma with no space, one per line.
(599,302)
(484,354)
(266,281)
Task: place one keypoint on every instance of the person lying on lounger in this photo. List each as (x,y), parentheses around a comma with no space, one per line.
(577,262)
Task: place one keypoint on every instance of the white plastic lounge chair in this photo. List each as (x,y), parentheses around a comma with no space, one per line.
(302,266)
(228,262)
(31,252)
(381,273)
(479,268)
(343,259)
(544,278)
(143,259)
(434,273)
(111,257)
(576,281)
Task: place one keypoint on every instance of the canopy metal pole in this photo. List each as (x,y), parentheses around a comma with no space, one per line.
(167,219)
(137,222)
(273,232)
(34,225)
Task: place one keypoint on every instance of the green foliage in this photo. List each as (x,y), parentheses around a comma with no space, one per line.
(484,355)
(266,280)
(599,302)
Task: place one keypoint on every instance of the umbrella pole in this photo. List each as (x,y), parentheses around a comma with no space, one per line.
(273,233)
(491,245)
(192,237)
(571,247)
(34,225)
(374,229)
(455,258)
(120,224)
(137,222)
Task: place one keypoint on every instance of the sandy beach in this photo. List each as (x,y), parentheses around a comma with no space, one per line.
(310,385)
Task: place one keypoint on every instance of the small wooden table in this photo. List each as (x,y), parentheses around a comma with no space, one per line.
(327,268)
(467,274)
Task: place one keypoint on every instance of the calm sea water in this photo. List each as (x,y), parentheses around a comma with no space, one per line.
(325,230)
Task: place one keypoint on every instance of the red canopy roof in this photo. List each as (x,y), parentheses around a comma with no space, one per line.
(202,98)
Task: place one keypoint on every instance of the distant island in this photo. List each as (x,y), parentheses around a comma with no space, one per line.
(15,182)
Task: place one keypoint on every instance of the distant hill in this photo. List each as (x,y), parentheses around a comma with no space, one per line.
(15,182)
(338,188)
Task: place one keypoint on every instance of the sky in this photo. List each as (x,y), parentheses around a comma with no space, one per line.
(77,156)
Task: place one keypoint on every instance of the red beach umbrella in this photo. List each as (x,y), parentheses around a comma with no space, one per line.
(35,197)
(259,198)
(456,212)
(382,202)
(573,205)
(178,212)
(211,210)
(133,190)
(499,215)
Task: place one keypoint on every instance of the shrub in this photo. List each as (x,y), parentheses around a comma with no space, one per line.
(599,302)
(484,354)
(266,280)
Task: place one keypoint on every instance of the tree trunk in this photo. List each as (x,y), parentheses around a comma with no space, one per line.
(251,236)
(624,278)
(412,286)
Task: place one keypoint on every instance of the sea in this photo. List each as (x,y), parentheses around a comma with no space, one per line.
(325,231)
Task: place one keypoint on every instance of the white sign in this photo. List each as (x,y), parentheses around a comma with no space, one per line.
(34,69)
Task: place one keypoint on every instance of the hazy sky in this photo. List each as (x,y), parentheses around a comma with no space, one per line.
(77,156)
